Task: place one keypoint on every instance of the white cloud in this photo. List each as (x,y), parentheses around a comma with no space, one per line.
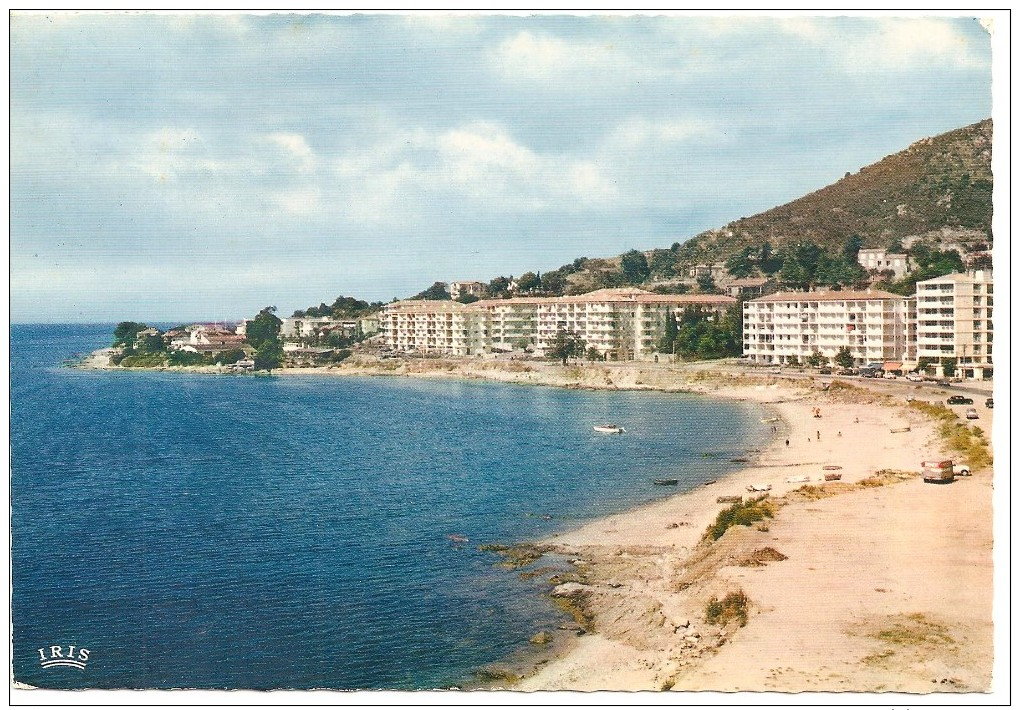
(295,146)
(532,56)
(901,43)
(478,162)
(635,133)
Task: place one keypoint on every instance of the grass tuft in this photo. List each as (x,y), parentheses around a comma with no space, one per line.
(732,607)
(744,513)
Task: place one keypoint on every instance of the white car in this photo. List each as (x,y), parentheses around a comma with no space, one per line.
(889,376)
(914,377)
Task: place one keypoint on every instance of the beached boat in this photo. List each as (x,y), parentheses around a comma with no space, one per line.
(833,476)
(608,429)
(770,420)
(665,481)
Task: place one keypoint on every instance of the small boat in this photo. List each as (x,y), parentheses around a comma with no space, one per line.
(770,420)
(608,428)
(729,499)
(665,481)
(460,539)
(759,487)
(833,476)
(831,467)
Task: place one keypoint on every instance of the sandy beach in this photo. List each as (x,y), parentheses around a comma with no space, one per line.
(867,584)
(876,582)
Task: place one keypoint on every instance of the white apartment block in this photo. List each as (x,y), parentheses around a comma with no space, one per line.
(443,327)
(881,260)
(788,327)
(621,323)
(954,321)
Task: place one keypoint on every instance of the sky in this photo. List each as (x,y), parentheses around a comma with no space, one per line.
(171,167)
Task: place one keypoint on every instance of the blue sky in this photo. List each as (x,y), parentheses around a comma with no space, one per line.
(174,167)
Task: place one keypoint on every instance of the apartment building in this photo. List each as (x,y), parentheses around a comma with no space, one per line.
(620,323)
(441,327)
(954,323)
(789,327)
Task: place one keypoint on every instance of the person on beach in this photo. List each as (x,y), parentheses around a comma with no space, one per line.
(787,442)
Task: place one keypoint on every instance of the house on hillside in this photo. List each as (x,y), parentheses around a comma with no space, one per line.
(472,288)
(716,270)
(747,288)
(879,260)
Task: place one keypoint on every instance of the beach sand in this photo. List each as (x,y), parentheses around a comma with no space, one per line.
(873,588)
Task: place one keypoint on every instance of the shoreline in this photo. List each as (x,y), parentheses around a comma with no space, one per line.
(645,577)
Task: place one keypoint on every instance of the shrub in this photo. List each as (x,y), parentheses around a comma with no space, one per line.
(183,358)
(743,513)
(733,607)
(148,360)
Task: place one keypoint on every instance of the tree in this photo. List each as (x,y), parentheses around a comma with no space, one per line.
(844,358)
(435,292)
(741,264)
(949,366)
(852,246)
(768,261)
(706,284)
(150,344)
(528,282)
(499,287)
(662,264)
(263,333)
(669,339)
(800,263)
(634,267)
(567,344)
(126,331)
(554,282)
(467,298)
(816,359)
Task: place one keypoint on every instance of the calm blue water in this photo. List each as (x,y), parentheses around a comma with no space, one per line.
(250,532)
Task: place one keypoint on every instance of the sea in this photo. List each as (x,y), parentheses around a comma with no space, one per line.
(259,532)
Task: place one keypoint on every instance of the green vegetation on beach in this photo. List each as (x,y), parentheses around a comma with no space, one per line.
(743,513)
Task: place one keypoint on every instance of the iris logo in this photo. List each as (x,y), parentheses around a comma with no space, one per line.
(74,657)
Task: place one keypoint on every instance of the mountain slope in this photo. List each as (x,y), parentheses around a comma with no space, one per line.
(939,186)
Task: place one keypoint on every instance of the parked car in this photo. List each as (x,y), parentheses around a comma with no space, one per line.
(959,399)
(942,383)
(847,371)
(988,402)
(971,413)
(889,376)
(915,377)
(825,371)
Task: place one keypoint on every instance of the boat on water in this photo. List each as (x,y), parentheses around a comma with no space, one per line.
(666,481)
(608,428)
